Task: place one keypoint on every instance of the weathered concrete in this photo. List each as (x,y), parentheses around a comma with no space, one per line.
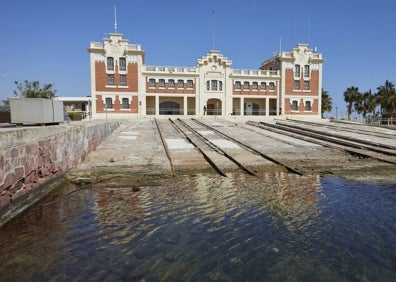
(136,148)
(135,151)
(31,157)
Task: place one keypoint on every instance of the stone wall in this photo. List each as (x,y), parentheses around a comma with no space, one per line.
(31,157)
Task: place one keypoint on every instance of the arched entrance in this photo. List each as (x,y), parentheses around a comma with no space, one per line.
(251,109)
(169,108)
(213,107)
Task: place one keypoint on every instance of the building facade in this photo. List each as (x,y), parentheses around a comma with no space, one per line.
(288,84)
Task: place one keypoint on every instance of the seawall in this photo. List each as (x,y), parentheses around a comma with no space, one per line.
(31,157)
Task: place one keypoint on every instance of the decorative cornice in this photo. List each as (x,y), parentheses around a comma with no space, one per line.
(214,56)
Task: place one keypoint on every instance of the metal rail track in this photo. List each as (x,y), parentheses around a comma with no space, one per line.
(250,149)
(345,140)
(216,148)
(344,128)
(351,148)
(206,157)
(165,146)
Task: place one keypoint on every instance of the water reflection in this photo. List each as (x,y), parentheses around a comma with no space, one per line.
(275,227)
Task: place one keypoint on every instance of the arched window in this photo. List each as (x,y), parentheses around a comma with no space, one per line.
(110,63)
(109,103)
(306,71)
(297,70)
(110,79)
(296,85)
(306,85)
(171,83)
(151,82)
(214,85)
(307,106)
(294,105)
(237,85)
(125,103)
(123,80)
(122,64)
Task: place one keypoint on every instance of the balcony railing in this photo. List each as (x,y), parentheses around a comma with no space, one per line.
(134,47)
(245,72)
(96,45)
(170,69)
(129,46)
(170,111)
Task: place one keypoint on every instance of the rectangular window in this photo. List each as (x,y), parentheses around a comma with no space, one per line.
(296,85)
(306,85)
(246,85)
(171,83)
(307,106)
(214,85)
(125,103)
(123,80)
(110,63)
(110,79)
(220,85)
(306,71)
(271,86)
(208,85)
(263,86)
(189,83)
(255,85)
(180,83)
(151,82)
(294,106)
(297,70)
(237,85)
(122,64)
(109,103)
(161,83)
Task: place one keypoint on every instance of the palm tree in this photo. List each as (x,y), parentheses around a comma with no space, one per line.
(366,103)
(326,102)
(387,97)
(351,96)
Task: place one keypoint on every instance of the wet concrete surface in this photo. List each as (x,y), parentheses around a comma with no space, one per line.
(136,147)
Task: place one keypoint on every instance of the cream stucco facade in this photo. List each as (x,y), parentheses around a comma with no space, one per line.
(122,85)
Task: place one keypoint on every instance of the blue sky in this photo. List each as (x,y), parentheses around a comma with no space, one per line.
(46,40)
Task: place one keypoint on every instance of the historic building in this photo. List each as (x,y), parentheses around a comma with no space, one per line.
(287,84)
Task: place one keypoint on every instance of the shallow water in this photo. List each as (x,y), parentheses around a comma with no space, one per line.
(278,227)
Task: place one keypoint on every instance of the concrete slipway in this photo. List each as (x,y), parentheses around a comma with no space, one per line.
(156,147)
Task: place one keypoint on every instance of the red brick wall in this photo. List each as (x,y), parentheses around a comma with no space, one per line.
(99,103)
(28,165)
(132,78)
(167,89)
(289,81)
(101,78)
(314,83)
(250,91)
(301,107)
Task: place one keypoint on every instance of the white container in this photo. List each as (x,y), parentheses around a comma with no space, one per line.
(36,110)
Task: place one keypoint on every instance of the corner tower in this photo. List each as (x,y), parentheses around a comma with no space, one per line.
(115,67)
(301,80)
